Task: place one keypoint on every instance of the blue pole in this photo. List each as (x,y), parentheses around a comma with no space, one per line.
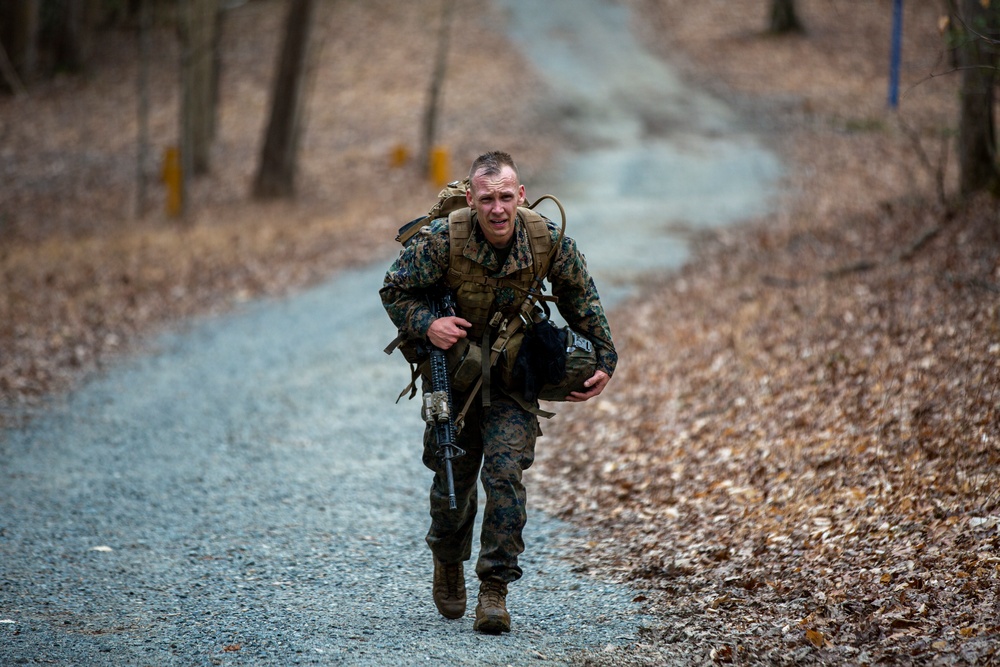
(897,40)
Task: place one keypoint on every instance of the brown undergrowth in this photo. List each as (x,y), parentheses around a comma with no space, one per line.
(798,459)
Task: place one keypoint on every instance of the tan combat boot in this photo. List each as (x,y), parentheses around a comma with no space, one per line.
(449,588)
(491,612)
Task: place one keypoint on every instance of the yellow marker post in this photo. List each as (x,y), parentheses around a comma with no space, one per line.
(171,177)
(439,166)
(399,157)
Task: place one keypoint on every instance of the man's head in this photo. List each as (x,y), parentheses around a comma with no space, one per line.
(494,193)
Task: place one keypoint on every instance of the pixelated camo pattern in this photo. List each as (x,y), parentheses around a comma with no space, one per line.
(425,262)
(504,446)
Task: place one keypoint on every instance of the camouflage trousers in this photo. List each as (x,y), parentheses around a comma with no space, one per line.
(500,444)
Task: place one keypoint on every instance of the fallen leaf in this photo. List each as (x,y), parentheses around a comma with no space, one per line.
(816,638)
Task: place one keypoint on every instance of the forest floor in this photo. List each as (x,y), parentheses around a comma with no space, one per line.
(798,460)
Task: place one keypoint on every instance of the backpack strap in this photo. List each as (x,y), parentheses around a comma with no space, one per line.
(459,233)
(539,237)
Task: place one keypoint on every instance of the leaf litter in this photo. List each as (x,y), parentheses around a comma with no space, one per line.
(798,459)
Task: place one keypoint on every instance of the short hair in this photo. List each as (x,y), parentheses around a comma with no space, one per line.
(492,163)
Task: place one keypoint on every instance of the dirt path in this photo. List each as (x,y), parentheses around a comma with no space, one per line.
(249,494)
(653,160)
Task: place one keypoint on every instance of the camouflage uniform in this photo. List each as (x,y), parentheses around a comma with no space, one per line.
(500,438)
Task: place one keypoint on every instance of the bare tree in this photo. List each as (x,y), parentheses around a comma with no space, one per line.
(198,24)
(142,86)
(44,36)
(437,82)
(20,22)
(71,32)
(10,76)
(978,56)
(783,18)
(276,173)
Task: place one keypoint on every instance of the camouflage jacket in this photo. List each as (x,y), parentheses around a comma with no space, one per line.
(424,263)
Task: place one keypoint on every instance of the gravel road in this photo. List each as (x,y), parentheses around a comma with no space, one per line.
(246,493)
(250,484)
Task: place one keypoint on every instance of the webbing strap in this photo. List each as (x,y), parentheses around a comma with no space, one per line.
(412,387)
(531,408)
(391,347)
(488,361)
(482,280)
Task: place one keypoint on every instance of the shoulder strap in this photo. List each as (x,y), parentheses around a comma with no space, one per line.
(460,224)
(539,237)
(459,233)
(546,256)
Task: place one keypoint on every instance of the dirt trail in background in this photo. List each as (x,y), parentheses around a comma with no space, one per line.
(83,280)
(654,160)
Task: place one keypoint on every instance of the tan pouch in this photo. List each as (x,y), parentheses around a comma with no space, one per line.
(465,364)
(507,359)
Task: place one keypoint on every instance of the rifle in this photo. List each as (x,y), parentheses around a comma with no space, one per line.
(438,401)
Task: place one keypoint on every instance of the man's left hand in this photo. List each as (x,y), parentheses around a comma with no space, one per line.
(595,385)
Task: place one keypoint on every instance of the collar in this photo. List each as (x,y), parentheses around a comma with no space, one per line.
(481,252)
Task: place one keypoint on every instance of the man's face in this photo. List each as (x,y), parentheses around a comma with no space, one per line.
(495,200)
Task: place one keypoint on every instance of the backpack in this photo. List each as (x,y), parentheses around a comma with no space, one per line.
(451,198)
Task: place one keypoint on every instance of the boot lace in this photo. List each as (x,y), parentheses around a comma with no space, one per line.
(493,594)
(452,576)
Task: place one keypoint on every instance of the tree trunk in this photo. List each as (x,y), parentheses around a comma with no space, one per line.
(71,40)
(977,123)
(276,174)
(20,22)
(142,85)
(437,81)
(783,18)
(197,30)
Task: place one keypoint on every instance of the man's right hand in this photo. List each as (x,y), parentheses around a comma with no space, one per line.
(445,331)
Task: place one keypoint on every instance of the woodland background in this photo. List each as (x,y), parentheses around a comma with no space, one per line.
(798,460)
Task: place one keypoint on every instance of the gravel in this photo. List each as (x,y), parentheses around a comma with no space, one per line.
(247,493)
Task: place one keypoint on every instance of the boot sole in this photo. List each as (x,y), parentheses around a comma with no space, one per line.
(491,625)
(451,614)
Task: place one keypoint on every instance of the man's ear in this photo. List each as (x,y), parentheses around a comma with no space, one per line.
(468,197)
(520,194)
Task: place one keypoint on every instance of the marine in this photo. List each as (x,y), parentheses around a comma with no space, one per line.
(488,267)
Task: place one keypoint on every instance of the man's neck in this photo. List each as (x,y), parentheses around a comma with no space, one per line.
(502,253)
